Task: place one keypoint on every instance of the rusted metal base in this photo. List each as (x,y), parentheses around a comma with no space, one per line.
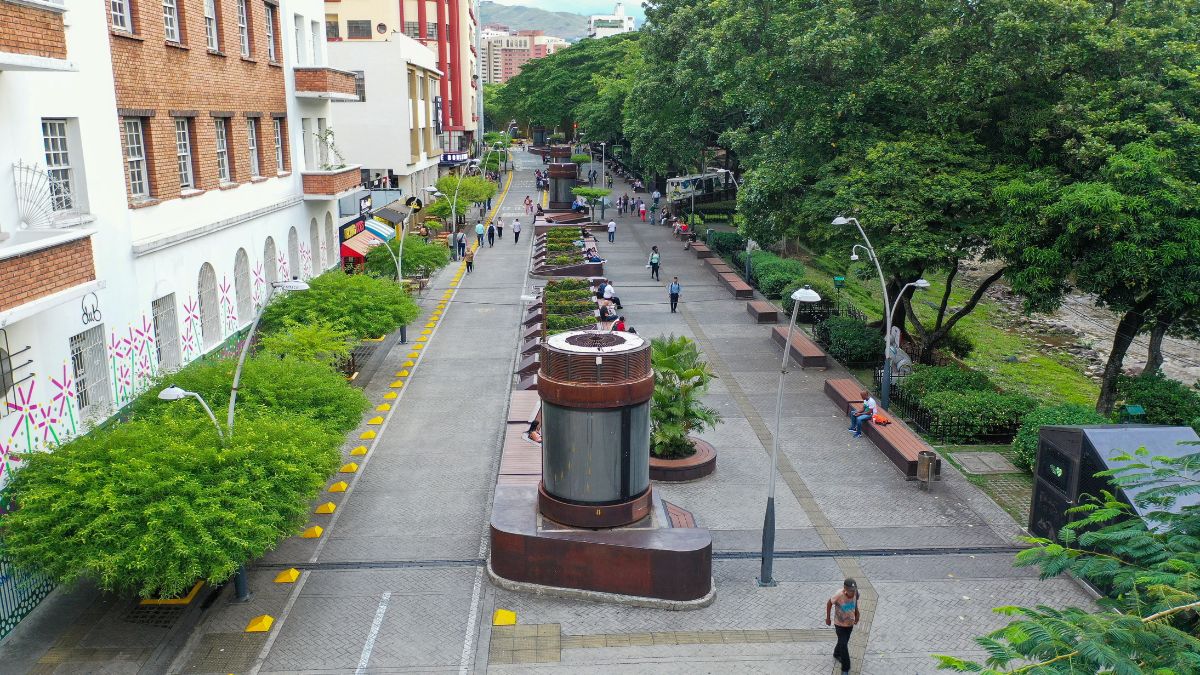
(593,517)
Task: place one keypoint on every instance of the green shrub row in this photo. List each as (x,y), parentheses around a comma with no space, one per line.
(1026,442)
(1165,401)
(964,415)
(852,341)
(771,273)
(726,243)
(366,306)
(927,380)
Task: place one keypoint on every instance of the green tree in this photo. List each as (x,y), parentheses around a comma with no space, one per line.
(419,258)
(593,196)
(681,377)
(318,341)
(1148,564)
(367,306)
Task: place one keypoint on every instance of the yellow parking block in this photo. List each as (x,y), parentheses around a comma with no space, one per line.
(260,624)
(383,407)
(397,384)
(391,396)
(408,364)
(504,617)
(313,532)
(326,508)
(349,467)
(287,576)
(427,332)
(359,451)
(402,373)
(418,346)
(422,339)
(375,421)
(431,324)
(339,486)
(367,435)
(413,355)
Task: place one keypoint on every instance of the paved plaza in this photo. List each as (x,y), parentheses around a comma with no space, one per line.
(397,582)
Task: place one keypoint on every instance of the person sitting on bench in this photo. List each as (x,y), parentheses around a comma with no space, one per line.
(857,417)
(533,434)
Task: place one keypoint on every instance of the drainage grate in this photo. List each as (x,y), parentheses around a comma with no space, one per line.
(225,653)
(159,616)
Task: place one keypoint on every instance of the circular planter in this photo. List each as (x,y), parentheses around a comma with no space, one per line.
(700,464)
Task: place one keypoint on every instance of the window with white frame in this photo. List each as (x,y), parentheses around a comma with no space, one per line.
(210,306)
(89,365)
(307,137)
(171,21)
(223,172)
(122,16)
(58,164)
(183,152)
(299,23)
(166,332)
(278,145)
(211,30)
(244,28)
(272,54)
(135,158)
(317,39)
(252,145)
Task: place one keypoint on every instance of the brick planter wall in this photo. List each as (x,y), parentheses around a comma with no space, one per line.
(331,182)
(325,81)
(28,277)
(32,31)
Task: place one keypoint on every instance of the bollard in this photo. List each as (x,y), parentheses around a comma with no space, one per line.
(925,464)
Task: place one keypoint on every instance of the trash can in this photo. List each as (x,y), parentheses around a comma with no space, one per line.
(926,460)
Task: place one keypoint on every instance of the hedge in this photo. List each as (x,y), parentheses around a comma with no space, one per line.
(852,341)
(1025,444)
(959,416)
(726,243)
(1165,401)
(927,380)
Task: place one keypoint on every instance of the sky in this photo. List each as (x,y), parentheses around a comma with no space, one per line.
(633,8)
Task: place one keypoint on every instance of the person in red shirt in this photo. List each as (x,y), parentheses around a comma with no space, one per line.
(620,324)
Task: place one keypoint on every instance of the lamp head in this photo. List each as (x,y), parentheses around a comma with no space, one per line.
(291,285)
(854,257)
(806,294)
(921,284)
(841,220)
(173,393)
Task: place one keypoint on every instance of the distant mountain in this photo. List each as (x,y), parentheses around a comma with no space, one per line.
(559,24)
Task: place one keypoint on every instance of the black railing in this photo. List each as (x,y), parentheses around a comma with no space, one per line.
(942,428)
(20,592)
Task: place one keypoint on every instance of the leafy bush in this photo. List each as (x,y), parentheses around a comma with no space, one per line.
(1165,401)
(569,308)
(960,416)
(319,341)
(826,293)
(681,376)
(581,159)
(568,285)
(772,284)
(285,386)
(559,324)
(726,243)
(420,259)
(153,506)
(765,263)
(933,379)
(852,341)
(1025,444)
(364,305)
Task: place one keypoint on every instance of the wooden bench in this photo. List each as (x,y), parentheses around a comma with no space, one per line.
(739,288)
(803,350)
(898,442)
(717,266)
(702,251)
(762,311)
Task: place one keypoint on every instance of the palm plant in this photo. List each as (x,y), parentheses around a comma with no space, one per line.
(681,376)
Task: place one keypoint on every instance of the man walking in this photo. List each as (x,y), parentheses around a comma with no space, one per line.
(479,233)
(470,258)
(612,231)
(657,196)
(516,230)
(652,263)
(673,290)
(491,234)
(844,604)
(500,228)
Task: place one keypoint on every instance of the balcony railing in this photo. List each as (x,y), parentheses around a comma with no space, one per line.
(331,183)
(324,82)
(33,36)
(48,198)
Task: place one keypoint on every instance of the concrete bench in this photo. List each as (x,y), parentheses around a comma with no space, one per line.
(702,251)
(898,442)
(762,311)
(717,266)
(739,288)
(803,350)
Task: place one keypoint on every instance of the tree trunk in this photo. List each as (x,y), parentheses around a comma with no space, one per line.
(1131,322)
(1154,355)
(931,340)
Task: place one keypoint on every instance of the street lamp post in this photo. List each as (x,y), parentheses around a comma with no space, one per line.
(173,393)
(603,174)
(893,345)
(886,394)
(239,582)
(765,577)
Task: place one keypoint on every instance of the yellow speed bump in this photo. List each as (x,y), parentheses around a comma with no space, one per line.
(413,355)
(339,486)
(383,407)
(313,532)
(287,576)
(422,339)
(391,396)
(426,332)
(402,373)
(418,346)
(349,467)
(504,617)
(326,508)
(431,324)
(409,364)
(375,421)
(260,624)
(359,451)
(367,435)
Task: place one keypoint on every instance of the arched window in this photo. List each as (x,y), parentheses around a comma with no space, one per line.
(210,307)
(293,259)
(241,286)
(331,242)
(314,251)
(270,267)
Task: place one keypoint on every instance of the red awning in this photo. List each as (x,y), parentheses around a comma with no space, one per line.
(358,245)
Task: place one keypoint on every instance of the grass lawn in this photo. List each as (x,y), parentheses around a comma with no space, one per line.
(1012,491)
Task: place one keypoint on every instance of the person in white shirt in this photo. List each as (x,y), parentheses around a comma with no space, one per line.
(516,230)
(500,228)
(857,417)
(612,231)
(610,294)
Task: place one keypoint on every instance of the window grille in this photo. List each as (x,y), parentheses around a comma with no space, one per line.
(89,363)
(166,332)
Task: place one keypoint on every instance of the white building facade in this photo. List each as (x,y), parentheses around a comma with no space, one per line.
(606,25)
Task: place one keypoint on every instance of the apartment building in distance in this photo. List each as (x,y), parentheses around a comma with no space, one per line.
(506,52)
(166,161)
(606,25)
(449,28)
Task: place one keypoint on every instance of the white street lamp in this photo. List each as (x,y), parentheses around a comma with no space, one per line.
(173,393)
(765,578)
(885,394)
(892,345)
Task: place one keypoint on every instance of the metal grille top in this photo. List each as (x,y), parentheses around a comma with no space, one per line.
(595,357)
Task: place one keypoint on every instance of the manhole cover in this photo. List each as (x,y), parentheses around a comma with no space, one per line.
(225,653)
(161,616)
(984,462)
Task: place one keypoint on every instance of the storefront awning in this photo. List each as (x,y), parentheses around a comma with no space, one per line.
(392,214)
(358,245)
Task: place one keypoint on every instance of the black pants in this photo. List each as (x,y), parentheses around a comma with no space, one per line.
(491,239)
(462,248)
(654,271)
(674,302)
(499,232)
(612,236)
(516,237)
(470,265)
(479,238)
(842,651)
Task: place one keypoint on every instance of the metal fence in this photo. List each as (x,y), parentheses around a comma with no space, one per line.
(20,593)
(942,428)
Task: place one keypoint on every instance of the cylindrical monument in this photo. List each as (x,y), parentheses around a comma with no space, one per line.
(563,177)
(595,388)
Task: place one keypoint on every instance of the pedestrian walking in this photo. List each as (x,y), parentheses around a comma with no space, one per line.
(673,291)
(609,179)
(652,263)
(461,239)
(612,231)
(516,230)
(657,196)
(500,228)
(470,258)
(642,210)
(479,233)
(491,234)
(844,604)
(528,204)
